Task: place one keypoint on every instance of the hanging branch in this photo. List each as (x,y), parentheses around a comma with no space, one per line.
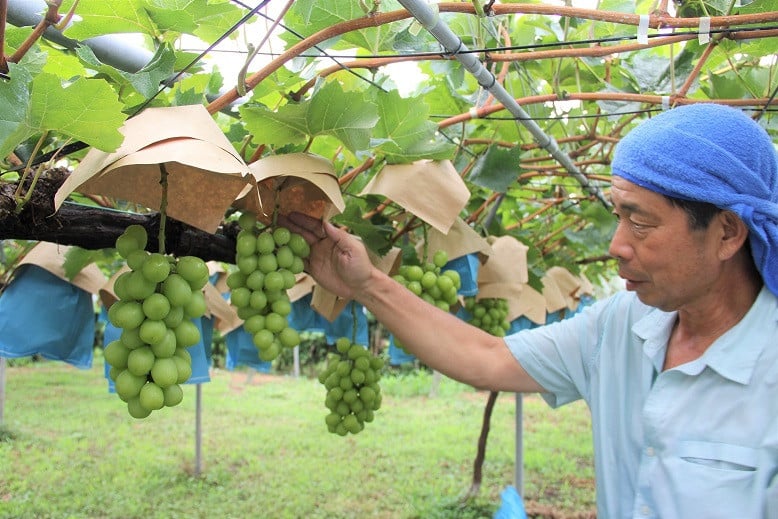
(50,18)
(546,206)
(698,67)
(348,177)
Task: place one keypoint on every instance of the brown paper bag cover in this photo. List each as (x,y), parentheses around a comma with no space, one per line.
(431,190)
(507,263)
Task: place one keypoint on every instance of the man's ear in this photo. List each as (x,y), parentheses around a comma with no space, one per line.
(734,233)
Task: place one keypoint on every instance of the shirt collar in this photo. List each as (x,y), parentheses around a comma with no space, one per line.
(734,355)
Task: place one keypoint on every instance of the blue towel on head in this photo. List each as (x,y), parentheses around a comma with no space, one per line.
(716,154)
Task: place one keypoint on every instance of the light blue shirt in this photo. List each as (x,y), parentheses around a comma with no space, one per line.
(696,441)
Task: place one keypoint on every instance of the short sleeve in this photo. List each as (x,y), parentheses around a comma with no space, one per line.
(559,356)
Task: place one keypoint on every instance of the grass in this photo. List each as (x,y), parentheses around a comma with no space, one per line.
(68,449)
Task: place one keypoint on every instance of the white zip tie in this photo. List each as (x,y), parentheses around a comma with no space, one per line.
(703,32)
(643,29)
(665,102)
(473,112)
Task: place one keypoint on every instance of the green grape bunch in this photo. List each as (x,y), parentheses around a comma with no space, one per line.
(157,298)
(431,283)
(489,314)
(353,393)
(268,261)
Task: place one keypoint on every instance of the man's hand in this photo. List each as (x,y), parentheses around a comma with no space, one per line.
(338,261)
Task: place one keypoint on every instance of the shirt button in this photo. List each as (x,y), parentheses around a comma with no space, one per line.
(650,451)
(645,510)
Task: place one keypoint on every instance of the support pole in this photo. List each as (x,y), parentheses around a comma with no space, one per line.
(519,464)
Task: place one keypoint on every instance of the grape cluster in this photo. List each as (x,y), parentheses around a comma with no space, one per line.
(157,300)
(431,283)
(353,394)
(489,314)
(267,262)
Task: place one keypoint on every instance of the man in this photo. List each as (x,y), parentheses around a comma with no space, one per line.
(681,370)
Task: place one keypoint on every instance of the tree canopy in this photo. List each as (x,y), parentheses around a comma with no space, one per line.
(531,133)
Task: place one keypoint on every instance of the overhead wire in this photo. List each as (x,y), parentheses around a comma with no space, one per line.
(301,37)
(80,145)
(431,21)
(527,47)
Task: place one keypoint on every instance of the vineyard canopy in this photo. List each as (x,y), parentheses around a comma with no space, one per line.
(525,100)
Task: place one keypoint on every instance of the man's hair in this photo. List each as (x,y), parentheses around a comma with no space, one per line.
(700,213)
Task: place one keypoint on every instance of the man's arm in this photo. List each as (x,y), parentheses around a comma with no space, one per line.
(339,262)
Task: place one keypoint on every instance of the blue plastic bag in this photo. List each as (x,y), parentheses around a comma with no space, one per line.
(512,506)
(305,318)
(398,356)
(43,314)
(242,352)
(467,268)
(521,323)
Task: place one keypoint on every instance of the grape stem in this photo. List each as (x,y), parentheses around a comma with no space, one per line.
(353,322)
(162,207)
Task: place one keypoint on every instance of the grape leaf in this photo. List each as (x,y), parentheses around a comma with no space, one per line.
(146,81)
(109,17)
(171,15)
(310,16)
(496,169)
(14,98)
(86,110)
(208,20)
(214,18)
(375,237)
(77,258)
(347,116)
(404,132)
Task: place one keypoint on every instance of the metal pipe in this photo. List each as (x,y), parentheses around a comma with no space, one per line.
(453,44)
(109,49)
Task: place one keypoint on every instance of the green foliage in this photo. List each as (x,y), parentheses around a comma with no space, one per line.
(376,236)
(496,169)
(84,109)
(403,132)
(56,96)
(330,111)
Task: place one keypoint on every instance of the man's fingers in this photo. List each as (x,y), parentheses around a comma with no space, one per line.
(312,229)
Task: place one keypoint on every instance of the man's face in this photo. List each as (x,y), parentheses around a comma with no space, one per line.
(661,258)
